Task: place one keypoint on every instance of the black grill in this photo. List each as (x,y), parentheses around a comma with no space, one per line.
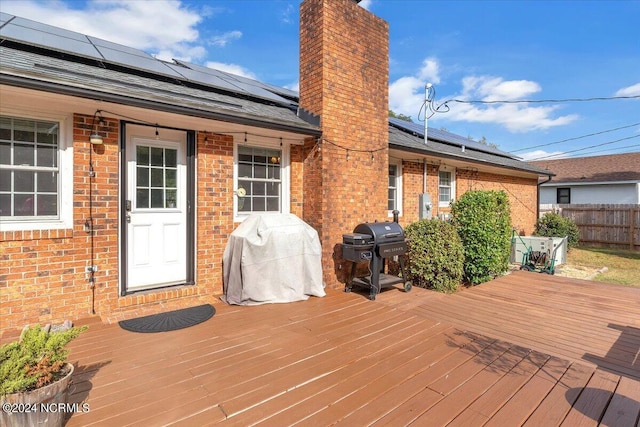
(373,243)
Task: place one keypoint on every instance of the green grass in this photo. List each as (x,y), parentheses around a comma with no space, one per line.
(623,266)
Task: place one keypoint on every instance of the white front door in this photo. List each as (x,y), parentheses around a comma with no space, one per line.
(156,208)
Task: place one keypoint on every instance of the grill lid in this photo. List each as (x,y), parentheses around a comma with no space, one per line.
(357,239)
(382,232)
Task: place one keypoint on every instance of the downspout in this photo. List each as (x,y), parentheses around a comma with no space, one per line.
(538,196)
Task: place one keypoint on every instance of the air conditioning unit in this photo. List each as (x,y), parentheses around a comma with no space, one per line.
(521,245)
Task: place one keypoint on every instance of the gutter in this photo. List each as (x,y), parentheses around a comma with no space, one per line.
(583,183)
(422,152)
(143,103)
(549,177)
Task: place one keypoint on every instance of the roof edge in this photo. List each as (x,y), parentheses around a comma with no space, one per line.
(465,159)
(142,103)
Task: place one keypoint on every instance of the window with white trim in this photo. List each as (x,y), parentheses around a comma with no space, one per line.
(394,200)
(29,169)
(261,184)
(446,187)
(36,170)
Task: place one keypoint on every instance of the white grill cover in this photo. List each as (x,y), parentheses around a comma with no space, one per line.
(272,258)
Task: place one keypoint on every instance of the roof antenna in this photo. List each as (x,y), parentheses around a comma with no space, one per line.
(427,90)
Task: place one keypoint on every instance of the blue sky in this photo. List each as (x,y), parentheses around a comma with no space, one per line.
(469,50)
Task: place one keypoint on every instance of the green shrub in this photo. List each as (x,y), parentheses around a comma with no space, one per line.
(434,255)
(483,222)
(35,361)
(555,225)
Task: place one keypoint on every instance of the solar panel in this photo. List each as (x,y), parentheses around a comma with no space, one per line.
(262,93)
(42,35)
(61,40)
(130,57)
(238,84)
(263,86)
(208,79)
(5,17)
(447,137)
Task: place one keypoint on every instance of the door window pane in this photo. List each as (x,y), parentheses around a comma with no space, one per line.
(157,156)
(142,176)
(171,158)
(157,198)
(142,155)
(142,198)
(156,178)
(171,179)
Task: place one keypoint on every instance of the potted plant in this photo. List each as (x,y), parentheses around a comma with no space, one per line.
(35,376)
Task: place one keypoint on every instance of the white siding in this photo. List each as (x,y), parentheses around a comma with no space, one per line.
(595,194)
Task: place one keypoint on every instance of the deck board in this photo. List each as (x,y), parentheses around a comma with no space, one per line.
(526,349)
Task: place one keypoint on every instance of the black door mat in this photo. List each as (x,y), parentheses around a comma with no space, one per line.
(169,321)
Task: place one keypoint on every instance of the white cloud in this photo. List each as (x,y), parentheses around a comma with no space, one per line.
(287,13)
(164,28)
(232,69)
(365,4)
(224,39)
(489,88)
(515,117)
(406,95)
(633,90)
(295,86)
(544,155)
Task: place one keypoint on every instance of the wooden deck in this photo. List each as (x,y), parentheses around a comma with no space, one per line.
(527,349)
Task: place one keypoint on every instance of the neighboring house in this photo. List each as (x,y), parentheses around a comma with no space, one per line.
(610,179)
(122,176)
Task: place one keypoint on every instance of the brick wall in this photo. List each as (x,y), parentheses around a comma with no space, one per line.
(43,277)
(344,63)
(46,280)
(214,217)
(412,187)
(522,192)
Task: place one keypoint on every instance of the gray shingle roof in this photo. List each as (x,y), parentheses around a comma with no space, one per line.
(32,68)
(406,141)
(609,168)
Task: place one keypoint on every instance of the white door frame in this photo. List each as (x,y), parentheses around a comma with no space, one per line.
(176,222)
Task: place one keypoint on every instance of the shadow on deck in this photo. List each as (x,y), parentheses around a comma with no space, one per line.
(525,349)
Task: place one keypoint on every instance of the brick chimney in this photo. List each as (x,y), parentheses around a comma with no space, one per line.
(344,78)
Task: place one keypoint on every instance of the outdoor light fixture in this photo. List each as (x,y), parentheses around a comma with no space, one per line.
(96,138)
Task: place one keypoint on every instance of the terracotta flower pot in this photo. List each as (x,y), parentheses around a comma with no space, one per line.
(44,406)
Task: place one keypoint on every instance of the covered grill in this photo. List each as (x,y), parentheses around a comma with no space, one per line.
(373,243)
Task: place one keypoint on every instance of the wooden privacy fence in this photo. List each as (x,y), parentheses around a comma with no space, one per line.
(616,225)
